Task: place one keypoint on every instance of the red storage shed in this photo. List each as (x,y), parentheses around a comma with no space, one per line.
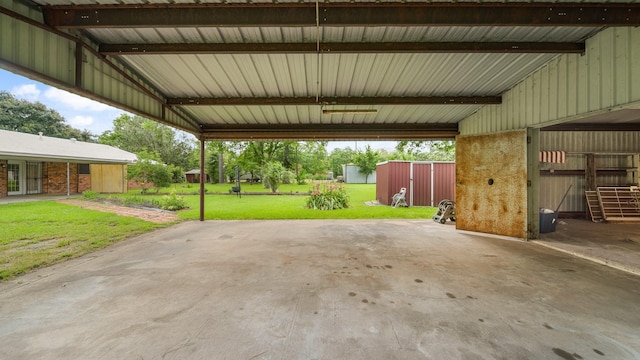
(427,182)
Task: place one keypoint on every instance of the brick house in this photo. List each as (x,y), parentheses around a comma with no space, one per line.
(33,164)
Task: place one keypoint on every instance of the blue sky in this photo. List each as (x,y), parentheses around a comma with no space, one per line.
(83,113)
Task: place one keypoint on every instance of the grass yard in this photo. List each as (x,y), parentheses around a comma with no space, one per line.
(293,207)
(41,233)
(35,234)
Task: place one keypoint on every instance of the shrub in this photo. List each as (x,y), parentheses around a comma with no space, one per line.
(274,174)
(328,196)
(171,202)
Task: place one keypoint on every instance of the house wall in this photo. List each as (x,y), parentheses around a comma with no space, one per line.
(84,182)
(3,178)
(54,178)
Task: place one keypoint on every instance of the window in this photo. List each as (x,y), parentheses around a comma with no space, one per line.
(83,169)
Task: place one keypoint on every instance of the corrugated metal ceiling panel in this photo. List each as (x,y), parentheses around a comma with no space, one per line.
(286,75)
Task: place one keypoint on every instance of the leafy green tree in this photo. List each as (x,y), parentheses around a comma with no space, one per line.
(138,134)
(366,162)
(340,157)
(429,150)
(274,174)
(32,118)
(149,172)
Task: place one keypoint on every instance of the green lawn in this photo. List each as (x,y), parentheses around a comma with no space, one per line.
(232,207)
(41,233)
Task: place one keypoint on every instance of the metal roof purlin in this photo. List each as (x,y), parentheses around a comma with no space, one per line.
(343,14)
(342,48)
(391,100)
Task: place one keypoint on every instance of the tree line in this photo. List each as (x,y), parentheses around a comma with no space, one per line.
(155,143)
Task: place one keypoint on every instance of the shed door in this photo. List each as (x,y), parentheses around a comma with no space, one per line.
(108,178)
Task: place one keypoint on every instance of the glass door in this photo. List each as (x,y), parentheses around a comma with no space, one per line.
(14,179)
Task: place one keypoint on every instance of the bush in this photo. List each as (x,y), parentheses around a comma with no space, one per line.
(89,195)
(274,174)
(171,202)
(328,196)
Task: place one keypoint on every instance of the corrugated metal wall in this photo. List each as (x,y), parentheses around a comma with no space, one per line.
(36,53)
(382,184)
(397,177)
(569,87)
(553,187)
(394,175)
(421,190)
(444,182)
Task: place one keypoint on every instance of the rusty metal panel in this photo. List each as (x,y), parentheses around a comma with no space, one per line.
(444,182)
(421,189)
(491,183)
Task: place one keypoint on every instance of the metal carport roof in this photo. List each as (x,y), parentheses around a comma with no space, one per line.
(328,70)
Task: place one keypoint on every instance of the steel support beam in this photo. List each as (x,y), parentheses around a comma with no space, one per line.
(343,14)
(331,131)
(343,48)
(395,100)
(594,127)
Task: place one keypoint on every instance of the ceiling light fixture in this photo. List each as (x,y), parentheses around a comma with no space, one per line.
(349,111)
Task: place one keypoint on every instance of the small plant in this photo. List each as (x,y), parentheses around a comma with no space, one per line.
(171,202)
(133,200)
(89,195)
(327,196)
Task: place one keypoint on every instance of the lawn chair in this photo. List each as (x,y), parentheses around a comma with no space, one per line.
(399,199)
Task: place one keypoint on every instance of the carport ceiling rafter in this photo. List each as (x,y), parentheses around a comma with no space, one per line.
(342,48)
(400,100)
(342,14)
(331,131)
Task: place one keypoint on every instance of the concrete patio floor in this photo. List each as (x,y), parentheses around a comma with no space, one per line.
(615,245)
(338,289)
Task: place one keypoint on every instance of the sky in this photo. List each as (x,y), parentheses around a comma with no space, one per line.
(86,114)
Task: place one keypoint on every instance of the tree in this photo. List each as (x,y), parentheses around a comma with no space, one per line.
(148,172)
(138,134)
(429,150)
(274,174)
(366,162)
(32,118)
(340,157)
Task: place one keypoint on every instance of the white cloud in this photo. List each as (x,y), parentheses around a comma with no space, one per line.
(74,101)
(27,92)
(80,120)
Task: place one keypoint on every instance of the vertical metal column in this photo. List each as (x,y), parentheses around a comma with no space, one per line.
(202,176)
(533,183)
